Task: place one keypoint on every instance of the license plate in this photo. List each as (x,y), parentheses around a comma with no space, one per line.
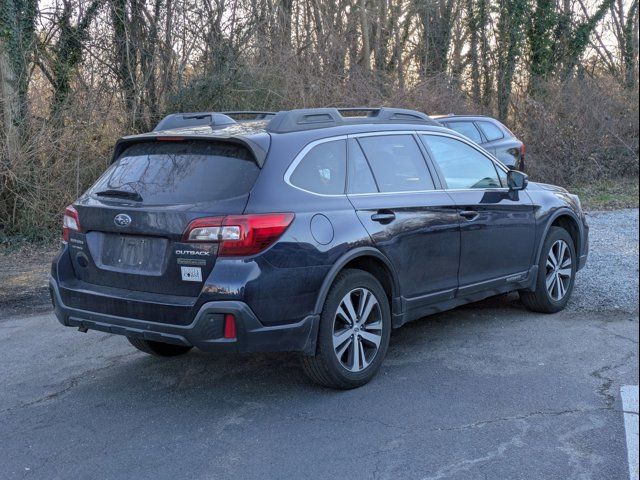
(130,253)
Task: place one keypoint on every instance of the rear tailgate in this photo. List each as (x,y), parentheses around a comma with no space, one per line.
(134,240)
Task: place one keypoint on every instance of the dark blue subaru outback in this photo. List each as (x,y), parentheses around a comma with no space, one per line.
(315,231)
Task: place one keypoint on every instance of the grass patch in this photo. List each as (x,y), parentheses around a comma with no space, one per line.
(608,194)
(16,243)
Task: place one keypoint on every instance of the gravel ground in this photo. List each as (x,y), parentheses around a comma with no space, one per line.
(610,279)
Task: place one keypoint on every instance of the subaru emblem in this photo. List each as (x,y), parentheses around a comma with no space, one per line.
(122,220)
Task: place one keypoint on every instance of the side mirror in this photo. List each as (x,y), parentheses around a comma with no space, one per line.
(517,180)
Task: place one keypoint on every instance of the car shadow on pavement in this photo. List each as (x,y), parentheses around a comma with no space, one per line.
(202,375)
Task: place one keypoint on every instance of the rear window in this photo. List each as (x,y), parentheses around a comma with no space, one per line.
(491,131)
(181,172)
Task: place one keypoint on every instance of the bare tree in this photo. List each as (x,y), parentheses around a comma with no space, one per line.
(17,29)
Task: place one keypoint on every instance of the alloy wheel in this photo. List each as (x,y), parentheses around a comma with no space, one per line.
(559,270)
(357,329)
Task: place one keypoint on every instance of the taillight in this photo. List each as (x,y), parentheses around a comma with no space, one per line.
(522,150)
(70,222)
(239,235)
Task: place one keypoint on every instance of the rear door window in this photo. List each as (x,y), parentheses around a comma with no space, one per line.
(181,172)
(491,131)
(323,169)
(468,129)
(397,163)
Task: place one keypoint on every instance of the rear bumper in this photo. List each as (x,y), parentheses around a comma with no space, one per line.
(206,330)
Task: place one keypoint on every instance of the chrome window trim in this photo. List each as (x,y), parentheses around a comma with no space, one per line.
(437,190)
(495,189)
(381,134)
(298,158)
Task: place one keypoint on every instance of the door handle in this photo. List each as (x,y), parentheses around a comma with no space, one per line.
(383,217)
(469,214)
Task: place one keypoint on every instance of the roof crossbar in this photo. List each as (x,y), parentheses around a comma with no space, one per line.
(312,118)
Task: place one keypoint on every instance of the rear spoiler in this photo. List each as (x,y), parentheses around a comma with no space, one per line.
(259,151)
(210,119)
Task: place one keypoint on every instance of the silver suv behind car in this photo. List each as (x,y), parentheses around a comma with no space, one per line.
(490,134)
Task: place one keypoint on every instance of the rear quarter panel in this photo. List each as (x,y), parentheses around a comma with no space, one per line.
(293,270)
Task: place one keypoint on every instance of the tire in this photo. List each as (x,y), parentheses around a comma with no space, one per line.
(555,298)
(158,349)
(328,367)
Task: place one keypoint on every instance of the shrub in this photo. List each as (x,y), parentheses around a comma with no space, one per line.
(576,133)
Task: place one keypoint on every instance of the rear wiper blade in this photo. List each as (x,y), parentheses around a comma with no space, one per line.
(120,194)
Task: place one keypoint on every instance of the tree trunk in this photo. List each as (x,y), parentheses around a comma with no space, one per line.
(10,102)
(472,24)
(67,55)
(366,46)
(436,20)
(630,46)
(512,14)
(285,22)
(17,26)
(125,55)
(540,36)
(485,53)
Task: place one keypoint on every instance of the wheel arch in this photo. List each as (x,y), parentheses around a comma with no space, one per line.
(370,260)
(568,220)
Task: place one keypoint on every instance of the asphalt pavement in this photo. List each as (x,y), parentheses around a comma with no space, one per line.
(485,391)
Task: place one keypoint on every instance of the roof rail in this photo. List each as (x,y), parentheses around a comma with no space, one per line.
(453,115)
(194,119)
(312,118)
(257,114)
